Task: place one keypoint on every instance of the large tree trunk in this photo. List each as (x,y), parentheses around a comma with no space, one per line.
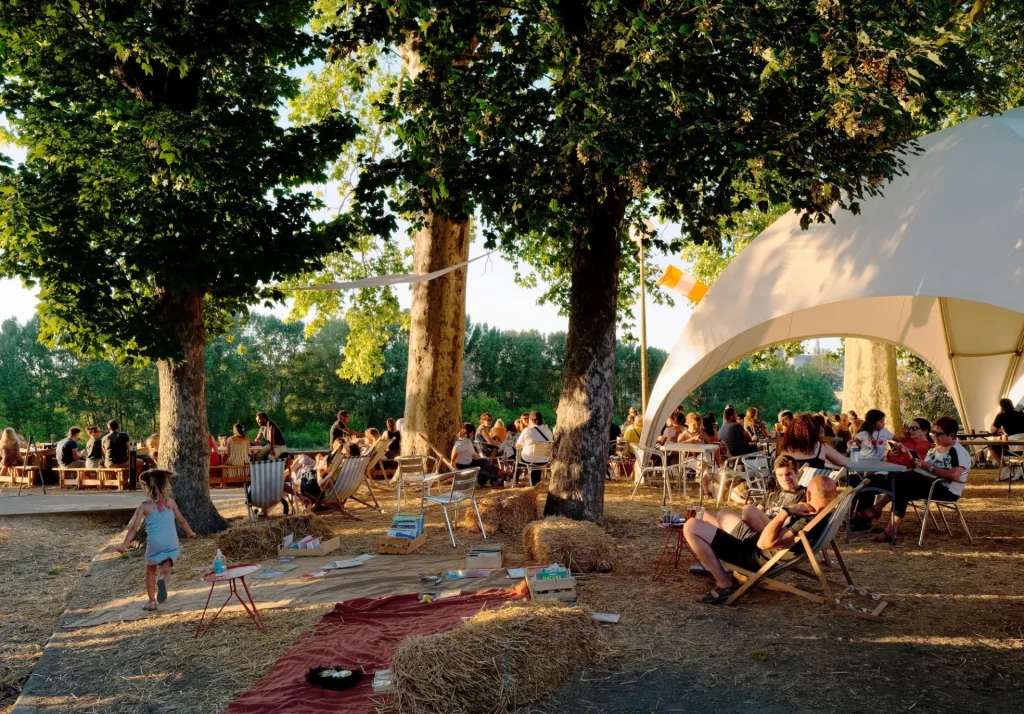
(184,447)
(433,384)
(433,387)
(869,381)
(585,406)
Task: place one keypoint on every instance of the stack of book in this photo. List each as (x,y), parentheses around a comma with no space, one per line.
(406,525)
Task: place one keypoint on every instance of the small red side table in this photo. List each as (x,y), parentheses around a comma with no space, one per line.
(230,576)
(668,557)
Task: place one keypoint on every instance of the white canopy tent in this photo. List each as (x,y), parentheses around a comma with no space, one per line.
(936,265)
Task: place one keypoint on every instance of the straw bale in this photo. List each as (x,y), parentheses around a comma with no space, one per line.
(507,511)
(247,541)
(582,546)
(496,661)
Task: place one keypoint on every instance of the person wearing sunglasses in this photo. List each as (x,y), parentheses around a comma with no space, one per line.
(948,461)
(904,451)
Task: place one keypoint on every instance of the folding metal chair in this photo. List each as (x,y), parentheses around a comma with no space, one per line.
(461,493)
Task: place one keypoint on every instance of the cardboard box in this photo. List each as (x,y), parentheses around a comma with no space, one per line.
(399,546)
(485,557)
(325,548)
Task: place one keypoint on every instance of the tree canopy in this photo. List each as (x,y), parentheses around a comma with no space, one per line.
(156,161)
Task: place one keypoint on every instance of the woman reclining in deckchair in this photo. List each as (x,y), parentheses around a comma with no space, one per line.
(738,543)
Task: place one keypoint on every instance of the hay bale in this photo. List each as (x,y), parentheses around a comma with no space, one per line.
(252,542)
(581,546)
(506,511)
(496,661)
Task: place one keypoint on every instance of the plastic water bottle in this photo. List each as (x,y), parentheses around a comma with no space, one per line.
(854,453)
(218,564)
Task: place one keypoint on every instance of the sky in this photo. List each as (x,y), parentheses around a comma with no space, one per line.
(492,296)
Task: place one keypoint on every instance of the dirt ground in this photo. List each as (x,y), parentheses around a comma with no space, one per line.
(952,638)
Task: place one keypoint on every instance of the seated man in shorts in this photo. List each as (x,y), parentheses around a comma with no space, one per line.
(785,493)
(735,541)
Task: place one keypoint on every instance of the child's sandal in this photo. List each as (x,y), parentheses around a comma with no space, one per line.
(149,607)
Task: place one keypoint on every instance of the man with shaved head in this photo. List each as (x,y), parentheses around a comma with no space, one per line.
(743,546)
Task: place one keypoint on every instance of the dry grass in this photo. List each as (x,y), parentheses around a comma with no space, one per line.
(495,661)
(505,511)
(41,562)
(581,546)
(249,542)
(955,617)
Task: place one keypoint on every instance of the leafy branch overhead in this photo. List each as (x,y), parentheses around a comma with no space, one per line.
(157,164)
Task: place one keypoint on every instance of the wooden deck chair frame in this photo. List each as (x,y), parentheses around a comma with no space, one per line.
(346,475)
(837,512)
(378,451)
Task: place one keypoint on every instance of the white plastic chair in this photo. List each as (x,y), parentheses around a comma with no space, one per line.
(758,475)
(645,464)
(541,450)
(463,490)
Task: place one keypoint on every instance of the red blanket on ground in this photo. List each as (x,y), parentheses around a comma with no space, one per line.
(357,634)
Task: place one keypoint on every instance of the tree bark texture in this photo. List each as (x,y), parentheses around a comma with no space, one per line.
(184,448)
(585,405)
(869,381)
(433,387)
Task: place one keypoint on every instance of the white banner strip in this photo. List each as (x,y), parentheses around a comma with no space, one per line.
(381,280)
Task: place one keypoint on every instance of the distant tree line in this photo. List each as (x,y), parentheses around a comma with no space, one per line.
(265,364)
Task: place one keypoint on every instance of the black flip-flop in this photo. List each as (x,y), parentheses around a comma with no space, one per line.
(161,591)
(723,595)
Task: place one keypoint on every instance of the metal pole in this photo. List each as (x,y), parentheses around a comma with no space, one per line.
(643,331)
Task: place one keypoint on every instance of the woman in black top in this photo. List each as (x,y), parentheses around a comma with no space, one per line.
(802,441)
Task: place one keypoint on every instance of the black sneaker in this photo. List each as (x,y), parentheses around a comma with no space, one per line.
(860,524)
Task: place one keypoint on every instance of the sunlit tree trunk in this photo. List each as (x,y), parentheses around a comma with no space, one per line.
(183,432)
(869,381)
(585,405)
(433,386)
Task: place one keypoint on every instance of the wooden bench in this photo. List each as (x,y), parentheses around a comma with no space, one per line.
(82,476)
(21,476)
(114,477)
(226,475)
(78,477)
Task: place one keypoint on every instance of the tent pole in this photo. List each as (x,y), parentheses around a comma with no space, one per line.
(958,397)
(643,330)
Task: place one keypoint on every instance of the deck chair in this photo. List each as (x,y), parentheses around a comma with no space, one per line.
(266,486)
(835,513)
(462,494)
(377,451)
(941,507)
(346,475)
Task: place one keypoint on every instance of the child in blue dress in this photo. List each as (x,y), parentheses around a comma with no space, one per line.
(160,513)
